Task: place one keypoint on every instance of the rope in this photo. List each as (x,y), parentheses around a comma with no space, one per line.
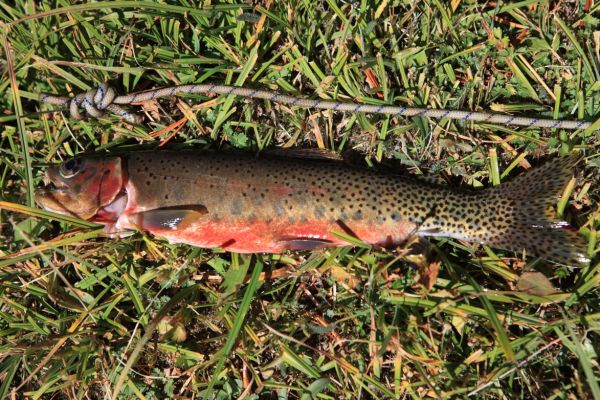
(96,101)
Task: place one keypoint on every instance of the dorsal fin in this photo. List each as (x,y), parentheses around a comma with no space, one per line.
(313,154)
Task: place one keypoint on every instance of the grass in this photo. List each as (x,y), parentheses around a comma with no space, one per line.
(83,316)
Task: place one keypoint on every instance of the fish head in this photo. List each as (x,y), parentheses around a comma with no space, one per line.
(81,186)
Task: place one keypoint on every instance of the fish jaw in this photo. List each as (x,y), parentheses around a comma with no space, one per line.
(53,200)
(82,193)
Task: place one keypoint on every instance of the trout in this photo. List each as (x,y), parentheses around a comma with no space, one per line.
(270,204)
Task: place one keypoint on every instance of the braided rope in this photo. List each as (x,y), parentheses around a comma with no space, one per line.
(96,101)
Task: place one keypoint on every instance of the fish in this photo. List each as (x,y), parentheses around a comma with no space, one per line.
(247,203)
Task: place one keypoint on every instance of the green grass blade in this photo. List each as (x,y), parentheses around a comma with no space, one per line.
(238,322)
(37,212)
(9,374)
(573,343)
(167,8)
(16,98)
(182,295)
(31,252)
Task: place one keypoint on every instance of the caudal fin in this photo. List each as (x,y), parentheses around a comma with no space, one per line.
(532,224)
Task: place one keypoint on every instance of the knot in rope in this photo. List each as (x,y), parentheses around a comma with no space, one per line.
(93,103)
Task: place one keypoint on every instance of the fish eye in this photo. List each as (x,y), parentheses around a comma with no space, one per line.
(70,168)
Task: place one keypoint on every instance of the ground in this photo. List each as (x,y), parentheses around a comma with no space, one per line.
(85,316)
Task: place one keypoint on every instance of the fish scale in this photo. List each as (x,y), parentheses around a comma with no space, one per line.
(246,203)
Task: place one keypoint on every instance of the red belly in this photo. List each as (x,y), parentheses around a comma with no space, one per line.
(277,236)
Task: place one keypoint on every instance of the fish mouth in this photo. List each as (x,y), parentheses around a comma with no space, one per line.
(48,196)
(49,199)
(57,196)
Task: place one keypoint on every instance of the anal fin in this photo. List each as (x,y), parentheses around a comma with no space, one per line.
(305,243)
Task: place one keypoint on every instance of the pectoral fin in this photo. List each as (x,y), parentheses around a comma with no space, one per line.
(170,218)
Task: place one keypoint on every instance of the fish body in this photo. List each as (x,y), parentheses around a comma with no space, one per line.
(270,204)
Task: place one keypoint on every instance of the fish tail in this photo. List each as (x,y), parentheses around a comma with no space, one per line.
(523,211)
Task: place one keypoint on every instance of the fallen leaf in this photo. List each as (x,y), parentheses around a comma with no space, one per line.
(535,283)
(475,357)
(344,277)
(151,107)
(459,323)
(428,274)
